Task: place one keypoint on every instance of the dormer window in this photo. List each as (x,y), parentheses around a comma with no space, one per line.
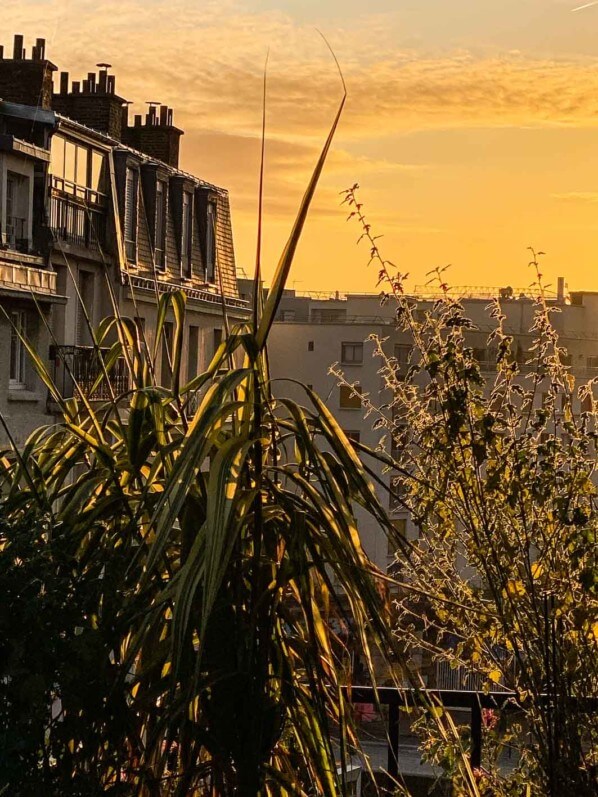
(187,235)
(211,242)
(160,235)
(131,210)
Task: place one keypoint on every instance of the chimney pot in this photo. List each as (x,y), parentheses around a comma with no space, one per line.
(102,81)
(1,52)
(76,87)
(64,82)
(40,45)
(111,84)
(17,52)
(91,81)
(163,114)
(138,120)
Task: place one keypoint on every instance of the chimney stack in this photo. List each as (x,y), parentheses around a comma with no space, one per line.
(93,102)
(158,137)
(26,81)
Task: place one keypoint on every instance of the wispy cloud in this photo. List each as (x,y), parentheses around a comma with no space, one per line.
(577,196)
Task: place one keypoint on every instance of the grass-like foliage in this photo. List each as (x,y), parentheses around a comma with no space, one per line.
(167,579)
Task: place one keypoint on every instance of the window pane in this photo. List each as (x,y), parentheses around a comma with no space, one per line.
(69,161)
(81,166)
(352,353)
(130,231)
(57,156)
(348,401)
(211,242)
(97,162)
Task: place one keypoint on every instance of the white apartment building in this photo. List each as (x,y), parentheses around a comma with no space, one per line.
(314,331)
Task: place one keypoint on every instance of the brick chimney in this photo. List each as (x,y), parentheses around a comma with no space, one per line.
(27,81)
(93,102)
(155,136)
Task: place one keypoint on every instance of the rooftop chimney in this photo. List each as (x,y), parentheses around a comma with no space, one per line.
(93,102)
(158,137)
(26,81)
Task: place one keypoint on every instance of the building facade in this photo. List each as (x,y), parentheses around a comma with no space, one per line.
(95,211)
(314,331)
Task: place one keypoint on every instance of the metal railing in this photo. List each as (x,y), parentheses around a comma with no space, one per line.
(17,236)
(474,701)
(82,366)
(78,218)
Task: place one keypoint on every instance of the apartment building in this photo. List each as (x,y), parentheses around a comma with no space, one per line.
(95,209)
(315,330)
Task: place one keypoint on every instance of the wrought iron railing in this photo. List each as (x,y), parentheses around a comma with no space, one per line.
(78,217)
(81,367)
(474,701)
(17,236)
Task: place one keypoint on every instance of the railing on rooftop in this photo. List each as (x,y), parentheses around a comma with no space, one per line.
(204,295)
(428,292)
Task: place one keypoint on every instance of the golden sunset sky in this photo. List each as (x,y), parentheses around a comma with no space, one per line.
(471,125)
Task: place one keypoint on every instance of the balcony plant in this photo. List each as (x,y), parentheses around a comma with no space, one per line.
(171,574)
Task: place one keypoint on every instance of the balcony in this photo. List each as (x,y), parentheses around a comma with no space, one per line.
(16,276)
(81,365)
(77,215)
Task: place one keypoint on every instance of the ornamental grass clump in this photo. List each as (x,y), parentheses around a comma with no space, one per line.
(170,559)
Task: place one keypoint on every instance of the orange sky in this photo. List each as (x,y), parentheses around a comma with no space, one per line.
(472,126)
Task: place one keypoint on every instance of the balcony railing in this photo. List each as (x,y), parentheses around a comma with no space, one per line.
(77,216)
(17,234)
(82,366)
(24,278)
(474,701)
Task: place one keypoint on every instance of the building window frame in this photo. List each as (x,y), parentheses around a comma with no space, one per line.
(17,372)
(211,222)
(348,399)
(187,235)
(161,223)
(352,353)
(130,221)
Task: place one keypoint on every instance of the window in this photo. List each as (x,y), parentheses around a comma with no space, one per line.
(400,527)
(403,354)
(85,305)
(192,352)
(211,242)
(591,362)
(348,399)
(17,211)
(18,328)
(310,345)
(587,403)
(325,315)
(353,434)
(217,339)
(160,242)
(131,200)
(352,353)
(167,338)
(288,315)
(187,235)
